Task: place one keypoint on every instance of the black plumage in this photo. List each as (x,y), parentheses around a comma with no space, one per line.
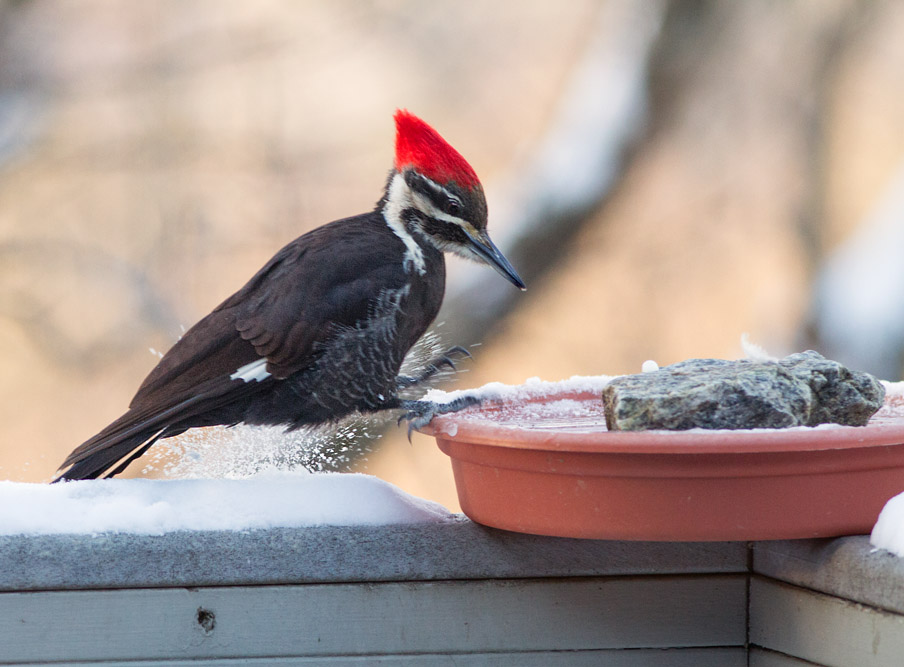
(320,332)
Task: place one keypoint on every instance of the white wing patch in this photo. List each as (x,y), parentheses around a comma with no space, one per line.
(398,199)
(256,371)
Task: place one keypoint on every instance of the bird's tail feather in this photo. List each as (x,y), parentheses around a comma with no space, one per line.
(96,463)
(131,435)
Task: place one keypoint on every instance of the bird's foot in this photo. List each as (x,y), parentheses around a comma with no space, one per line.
(448,359)
(421,413)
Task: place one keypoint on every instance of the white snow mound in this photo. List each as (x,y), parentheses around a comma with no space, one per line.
(154,507)
(888,533)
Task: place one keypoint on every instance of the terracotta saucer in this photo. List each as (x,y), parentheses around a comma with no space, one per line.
(548,466)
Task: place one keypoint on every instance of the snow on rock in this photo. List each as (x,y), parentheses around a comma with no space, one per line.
(154,507)
(755,352)
(888,533)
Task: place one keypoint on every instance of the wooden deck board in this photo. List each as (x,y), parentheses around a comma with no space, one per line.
(374,619)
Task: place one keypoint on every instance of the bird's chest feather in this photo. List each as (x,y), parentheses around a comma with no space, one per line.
(356,367)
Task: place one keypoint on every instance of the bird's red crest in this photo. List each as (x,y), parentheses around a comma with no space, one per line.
(420,146)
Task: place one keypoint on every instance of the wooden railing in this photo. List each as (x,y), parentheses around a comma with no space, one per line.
(442,594)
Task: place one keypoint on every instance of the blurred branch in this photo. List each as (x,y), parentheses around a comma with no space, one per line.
(19,114)
(858,302)
(544,202)
(856,311)
(20,102)
(828,56)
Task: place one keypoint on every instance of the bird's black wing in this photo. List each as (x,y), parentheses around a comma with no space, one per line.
(323,281)
(299,298)
(213,348)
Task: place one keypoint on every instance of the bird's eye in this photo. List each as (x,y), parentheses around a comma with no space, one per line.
(453,207)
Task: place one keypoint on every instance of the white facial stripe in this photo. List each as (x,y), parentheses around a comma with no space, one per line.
(424,204)
(397,200)
(440,189)
(255,371)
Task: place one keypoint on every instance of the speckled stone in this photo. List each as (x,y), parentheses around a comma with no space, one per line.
(803,389)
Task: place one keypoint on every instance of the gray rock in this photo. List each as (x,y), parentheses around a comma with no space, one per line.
(804,389)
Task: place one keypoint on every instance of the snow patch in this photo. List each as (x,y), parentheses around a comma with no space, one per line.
(154,507)
(531,388)
(893,389)
(755,352)
(517,407)
(888,533)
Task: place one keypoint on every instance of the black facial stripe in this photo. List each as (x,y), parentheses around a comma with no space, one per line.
(437,194)
(445,230)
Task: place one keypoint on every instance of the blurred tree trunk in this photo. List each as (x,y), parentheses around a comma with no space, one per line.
(710,80)
(546,199)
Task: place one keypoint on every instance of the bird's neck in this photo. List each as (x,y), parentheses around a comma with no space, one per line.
(396,206)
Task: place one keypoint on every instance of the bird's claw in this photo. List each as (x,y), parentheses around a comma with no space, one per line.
(442,361)
(458,350)
(434,367)
(421,413)
(446,360)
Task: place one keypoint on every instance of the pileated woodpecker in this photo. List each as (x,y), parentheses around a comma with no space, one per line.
(321,331)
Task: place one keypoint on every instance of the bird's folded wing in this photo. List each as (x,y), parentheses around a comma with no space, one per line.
(302,297)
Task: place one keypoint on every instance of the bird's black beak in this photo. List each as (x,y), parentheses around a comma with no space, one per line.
(484,247)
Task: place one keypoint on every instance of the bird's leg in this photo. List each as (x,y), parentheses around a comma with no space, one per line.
(434,367)
(421,413)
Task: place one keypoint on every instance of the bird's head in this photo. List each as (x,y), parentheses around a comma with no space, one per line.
(434,192)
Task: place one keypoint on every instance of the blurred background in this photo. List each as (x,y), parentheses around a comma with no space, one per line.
(665,175)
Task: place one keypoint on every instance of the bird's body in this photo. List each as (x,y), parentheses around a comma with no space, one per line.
(320,332)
